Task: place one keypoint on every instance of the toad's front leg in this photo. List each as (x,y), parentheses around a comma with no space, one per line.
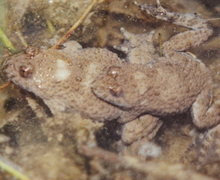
(200,30)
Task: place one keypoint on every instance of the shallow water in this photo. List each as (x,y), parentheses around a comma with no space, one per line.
(29,147)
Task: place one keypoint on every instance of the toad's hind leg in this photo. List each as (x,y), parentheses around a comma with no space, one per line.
(144,126)
(199,32)
(205,114)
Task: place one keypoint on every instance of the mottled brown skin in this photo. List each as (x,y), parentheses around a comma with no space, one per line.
(144,126)
(71,94)
(166,85)
(161,87)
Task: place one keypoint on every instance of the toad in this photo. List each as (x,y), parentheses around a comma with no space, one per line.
(101,86)
(165,85)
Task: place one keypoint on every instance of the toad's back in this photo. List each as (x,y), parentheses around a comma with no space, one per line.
(160,87)
(177,84)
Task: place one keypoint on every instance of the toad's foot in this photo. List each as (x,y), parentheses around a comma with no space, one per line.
(199,32)
(206,147)
(138,47)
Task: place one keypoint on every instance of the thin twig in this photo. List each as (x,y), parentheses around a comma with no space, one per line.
(64,38)
(21,38)
(160,46)
(5,85)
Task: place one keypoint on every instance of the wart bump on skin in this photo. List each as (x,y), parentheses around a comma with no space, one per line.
(62,72)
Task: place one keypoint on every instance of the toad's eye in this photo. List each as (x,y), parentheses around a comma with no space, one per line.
(25,71)
(113,71)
